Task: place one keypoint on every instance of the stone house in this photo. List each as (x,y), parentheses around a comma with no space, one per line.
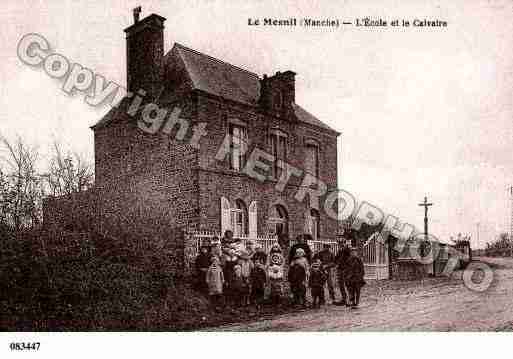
(166,177)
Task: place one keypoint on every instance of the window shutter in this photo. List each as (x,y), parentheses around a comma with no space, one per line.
(225,215)
(253,219)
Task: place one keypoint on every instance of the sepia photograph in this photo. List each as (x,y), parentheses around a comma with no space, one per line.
(254,166)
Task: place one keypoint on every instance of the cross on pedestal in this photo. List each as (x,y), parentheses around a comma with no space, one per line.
(425,204)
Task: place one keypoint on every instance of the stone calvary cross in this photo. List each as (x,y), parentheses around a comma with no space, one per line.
(425,204)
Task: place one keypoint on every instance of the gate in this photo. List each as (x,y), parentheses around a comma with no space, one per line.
(375,258)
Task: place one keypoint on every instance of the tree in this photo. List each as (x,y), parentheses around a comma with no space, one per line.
(21,188)
(68,172)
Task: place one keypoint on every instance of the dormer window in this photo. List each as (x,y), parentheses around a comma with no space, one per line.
(278,140)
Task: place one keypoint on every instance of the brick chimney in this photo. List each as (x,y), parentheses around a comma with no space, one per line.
(278,93)
(145,53)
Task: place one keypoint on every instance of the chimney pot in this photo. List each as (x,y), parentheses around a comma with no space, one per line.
(137,12)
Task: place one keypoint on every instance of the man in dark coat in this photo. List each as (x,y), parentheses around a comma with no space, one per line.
(341,262)
(303,244)
(327,265)
(354,277)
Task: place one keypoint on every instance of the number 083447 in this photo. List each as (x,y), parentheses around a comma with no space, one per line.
(25,346)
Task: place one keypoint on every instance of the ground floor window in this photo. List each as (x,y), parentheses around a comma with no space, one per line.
(278,220)
(239,219)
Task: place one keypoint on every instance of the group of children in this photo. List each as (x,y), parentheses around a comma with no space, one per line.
(237,274)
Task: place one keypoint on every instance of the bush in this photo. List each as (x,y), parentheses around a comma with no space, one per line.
(81,281)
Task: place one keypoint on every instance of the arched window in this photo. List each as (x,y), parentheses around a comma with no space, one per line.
(240,219)
(279,220)
(315,224)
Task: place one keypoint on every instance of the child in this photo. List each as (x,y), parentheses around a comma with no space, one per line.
(301,259)
(276,273)
(246,265)
(239,287)
(276,281)
(258,281)
(202,264)
(215,248)
(317,280)
(250,248)
(215,281)
(259,255)
(297,278)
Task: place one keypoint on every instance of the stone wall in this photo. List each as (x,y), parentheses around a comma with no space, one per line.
(216,179)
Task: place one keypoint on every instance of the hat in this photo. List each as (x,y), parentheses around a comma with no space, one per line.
(276,247)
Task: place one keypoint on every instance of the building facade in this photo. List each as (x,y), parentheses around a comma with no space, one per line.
(180,177)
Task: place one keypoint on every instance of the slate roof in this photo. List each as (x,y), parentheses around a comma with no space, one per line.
(219,78)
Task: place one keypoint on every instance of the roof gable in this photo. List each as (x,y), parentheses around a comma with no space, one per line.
(197,71)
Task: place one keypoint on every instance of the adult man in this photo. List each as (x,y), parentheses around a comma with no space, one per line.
(341,262)
(301,243)
(354,278)
(328,266)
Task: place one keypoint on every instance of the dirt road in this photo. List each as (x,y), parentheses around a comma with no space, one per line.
(434,304)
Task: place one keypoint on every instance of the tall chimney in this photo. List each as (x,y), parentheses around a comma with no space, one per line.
(144,54)
(137,12)
(278,93)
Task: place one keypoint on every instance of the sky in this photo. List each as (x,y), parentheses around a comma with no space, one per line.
(422,111)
